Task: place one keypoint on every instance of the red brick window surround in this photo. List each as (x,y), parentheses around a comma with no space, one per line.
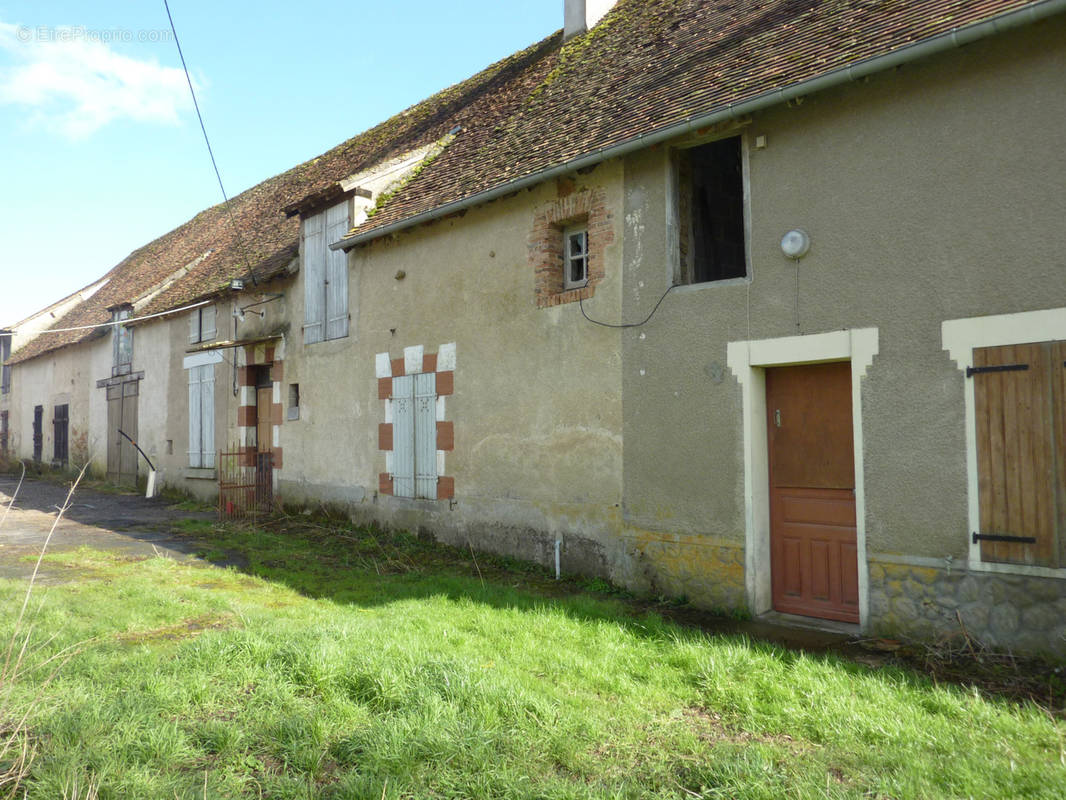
(585,208)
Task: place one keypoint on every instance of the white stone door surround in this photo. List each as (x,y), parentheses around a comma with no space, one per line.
(748,361)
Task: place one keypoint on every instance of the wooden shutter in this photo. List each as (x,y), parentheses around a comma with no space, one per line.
(5,354)
(336,273)
(207,415)
(426,435)
(1018,391)
(314,268)
(207,324)
(195,448)
(202,324)
(403,436)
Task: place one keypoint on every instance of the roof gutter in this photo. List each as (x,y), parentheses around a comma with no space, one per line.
(956,37)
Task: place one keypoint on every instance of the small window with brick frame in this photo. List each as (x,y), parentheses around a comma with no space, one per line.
(575,257)
(568,244)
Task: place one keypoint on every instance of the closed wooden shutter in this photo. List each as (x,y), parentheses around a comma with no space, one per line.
(195,445)
(403,436)
(314,269)
(5,354)
(336,276)
(207,323)
(202,324)
(1018,392)
(60,433)
(207,415)
(426,435)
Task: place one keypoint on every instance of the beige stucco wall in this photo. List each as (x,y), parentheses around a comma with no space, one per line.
(537,400)
(931,192)
(165,438)
(66,376)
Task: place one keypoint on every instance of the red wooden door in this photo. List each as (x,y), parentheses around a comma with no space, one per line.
(813,556)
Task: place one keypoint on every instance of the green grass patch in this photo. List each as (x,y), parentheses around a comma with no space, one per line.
(344,663)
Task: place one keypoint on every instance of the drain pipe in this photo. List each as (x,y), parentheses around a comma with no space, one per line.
(558,547)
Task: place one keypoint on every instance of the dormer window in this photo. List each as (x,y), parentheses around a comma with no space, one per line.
(575,257)
(5,354)
(325,274)
(122,341)
(202,324)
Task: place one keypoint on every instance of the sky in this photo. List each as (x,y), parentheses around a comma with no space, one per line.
(101,151)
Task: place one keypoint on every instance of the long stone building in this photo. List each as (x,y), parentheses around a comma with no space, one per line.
(761,305)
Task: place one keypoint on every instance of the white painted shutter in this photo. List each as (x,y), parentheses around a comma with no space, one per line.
(194,326)
(314,267)
(403,437)
(207,415)
(336,273)
(426,435)
(207,327)
(194,417)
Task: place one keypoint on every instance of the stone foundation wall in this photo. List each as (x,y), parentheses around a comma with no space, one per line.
(706,573)
(1017,612)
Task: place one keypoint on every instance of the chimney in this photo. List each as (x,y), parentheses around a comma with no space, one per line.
(580,15)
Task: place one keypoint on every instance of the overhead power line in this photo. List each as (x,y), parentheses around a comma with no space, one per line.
(207,141)
(114,322)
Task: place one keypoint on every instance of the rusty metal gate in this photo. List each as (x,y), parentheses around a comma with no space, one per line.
(245,484)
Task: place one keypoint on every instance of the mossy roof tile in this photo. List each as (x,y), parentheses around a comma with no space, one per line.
(649,64)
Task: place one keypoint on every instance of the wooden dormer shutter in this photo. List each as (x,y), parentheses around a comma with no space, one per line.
(314,270)
(336,273)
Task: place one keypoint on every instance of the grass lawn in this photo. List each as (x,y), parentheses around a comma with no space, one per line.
(348,664)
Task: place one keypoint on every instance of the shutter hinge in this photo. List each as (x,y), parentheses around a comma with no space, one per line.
(971,371)
(1002,537)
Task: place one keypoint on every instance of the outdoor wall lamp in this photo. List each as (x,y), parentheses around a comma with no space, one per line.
(795,244)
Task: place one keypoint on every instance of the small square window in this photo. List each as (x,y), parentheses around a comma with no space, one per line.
(294,401)
(122,341)
(575,257)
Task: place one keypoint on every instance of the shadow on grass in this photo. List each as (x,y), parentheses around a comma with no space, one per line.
(328,558)
(324,556)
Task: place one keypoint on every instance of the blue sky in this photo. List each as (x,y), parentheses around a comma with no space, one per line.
(101,151)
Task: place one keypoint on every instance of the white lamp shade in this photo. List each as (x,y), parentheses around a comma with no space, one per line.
(795,243)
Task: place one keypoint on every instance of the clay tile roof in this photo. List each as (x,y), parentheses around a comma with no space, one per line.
(268,240)
(651,64)
(647,65)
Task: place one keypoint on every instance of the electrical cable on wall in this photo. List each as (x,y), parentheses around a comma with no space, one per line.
(580,304)
(210,152)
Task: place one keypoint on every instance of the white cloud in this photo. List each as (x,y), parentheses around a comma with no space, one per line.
(75,83)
